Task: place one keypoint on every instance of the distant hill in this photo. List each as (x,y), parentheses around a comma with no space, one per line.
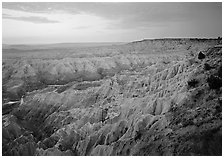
(57,45)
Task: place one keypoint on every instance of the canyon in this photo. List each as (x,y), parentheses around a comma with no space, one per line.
(160,97)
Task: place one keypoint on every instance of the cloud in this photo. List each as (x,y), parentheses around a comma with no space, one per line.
(5,15)
(81,27)
(33,19)
(125,15)
(115,21)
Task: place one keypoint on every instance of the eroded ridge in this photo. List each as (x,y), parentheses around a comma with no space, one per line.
(156,104)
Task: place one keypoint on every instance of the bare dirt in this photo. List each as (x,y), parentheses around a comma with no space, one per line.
(151,97)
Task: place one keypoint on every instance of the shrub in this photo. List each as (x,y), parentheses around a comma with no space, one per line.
(207,67)
(201,55)
(220,72)
(192,83)
(214,82)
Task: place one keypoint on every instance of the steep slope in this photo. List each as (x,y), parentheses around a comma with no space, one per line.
(160,104)
(38,68)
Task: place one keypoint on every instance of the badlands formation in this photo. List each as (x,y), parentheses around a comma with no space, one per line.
(150,97)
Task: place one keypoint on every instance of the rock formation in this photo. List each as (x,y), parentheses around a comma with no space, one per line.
(151,97)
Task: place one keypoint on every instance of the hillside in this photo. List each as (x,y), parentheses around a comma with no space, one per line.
(150,97)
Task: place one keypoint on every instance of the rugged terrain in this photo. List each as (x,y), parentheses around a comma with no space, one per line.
(150,97)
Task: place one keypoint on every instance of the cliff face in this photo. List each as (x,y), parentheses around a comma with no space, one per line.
(162,99)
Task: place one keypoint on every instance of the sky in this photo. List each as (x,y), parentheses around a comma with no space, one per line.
(67,22)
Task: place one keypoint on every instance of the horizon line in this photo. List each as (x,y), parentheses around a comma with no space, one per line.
(144,39)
